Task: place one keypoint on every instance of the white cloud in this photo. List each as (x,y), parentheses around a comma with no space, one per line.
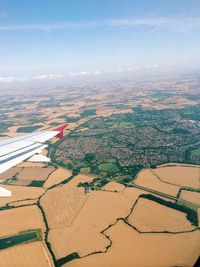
(85,73)
(49,76)
(6,79)
(118,70)
(179,23)
(155,66)
(97,72)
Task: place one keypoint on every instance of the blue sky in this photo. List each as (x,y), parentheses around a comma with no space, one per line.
(51,38)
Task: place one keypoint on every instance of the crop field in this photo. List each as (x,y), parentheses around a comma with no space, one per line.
(57,177)
(80,178)
(129,246)
(26,255)
(29,164)
(147,179)
(93,218)
(27,175)
(20,193)
(149,216)
(179,175)
(61,205)
(9,174)
(13,221)
(113,186)
(104,111)
(191,196)
(132,193)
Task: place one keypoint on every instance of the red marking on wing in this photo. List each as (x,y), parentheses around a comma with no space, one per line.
(60,129)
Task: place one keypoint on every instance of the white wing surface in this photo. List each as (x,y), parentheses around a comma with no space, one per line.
(17,149)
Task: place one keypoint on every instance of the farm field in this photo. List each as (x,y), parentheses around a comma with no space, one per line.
(57,177)
(21,193)
(80,178)
(132,193)
(113,186)
(9,174)
(149,180)
(93,218)
(191,196)
(179,175)
(62,204)
(27,175)
(129,246)
(12,221)
(26,255)
(149,216)
(29,164)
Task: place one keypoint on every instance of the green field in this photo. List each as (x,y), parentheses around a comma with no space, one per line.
(85,170)
(195,152)
(108,167)
(4,126)
(87,113)
(20,238)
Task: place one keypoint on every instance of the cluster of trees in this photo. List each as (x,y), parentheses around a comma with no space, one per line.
(36,183)
(66,259)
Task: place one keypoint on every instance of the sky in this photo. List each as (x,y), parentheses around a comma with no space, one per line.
(50,39)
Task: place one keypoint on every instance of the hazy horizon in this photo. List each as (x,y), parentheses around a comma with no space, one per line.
(66,40)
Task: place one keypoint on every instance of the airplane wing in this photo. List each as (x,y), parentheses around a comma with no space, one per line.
(17,149)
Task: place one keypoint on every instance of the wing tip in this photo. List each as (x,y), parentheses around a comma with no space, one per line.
(60,129)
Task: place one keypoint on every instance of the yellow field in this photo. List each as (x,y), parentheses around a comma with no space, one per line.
(80,178)
(57,177)
(113,186)
(9,174)
(35,173)
(61,204)
(20,219)
(180,175)
(29,164)
(105,112)
(147,179)
(130,248)
(132,193)
(190,196)
(150,216)
(27,255)
(21,193)
(84,234)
